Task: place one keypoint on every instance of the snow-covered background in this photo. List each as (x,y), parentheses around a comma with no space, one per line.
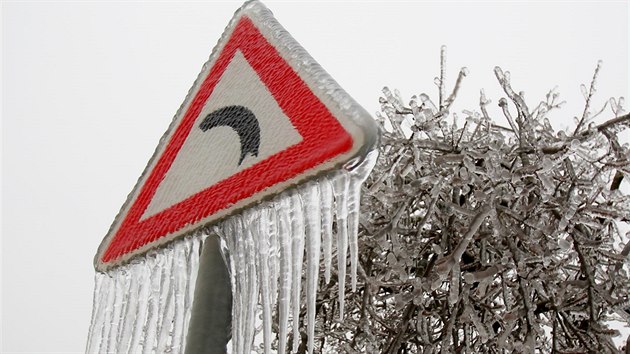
(88,88)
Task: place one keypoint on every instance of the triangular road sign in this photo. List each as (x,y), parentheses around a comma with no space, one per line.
(261,117)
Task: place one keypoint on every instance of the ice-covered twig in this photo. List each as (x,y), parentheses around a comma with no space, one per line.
(588,96)
(442,78)
(463,72)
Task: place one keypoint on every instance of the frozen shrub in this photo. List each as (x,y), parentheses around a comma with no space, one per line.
(477,237)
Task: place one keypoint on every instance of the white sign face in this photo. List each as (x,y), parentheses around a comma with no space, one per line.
(261,117)
(208,157)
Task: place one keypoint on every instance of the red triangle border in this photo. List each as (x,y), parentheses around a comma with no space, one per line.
(323,139)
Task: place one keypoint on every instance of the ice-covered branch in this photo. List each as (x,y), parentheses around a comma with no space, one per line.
(483,238)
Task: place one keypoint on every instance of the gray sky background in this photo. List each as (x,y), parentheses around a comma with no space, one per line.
(88,88)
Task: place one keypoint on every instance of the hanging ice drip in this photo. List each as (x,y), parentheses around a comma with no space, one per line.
(275,245)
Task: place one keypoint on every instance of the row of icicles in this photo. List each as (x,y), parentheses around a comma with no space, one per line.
(144,306)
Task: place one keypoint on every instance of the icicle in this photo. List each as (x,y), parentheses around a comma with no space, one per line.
(284,235)
(358,175)
(154,307)
(120,306)
(143,305)
(165,318)
(101,281)
(274,255)
(251,290)
(340,188)
(312,210)
(232,231)
(297,245)
(261,240)
(326,200)
(126,326)
(194,250)
(354,195)
(225,230)
(179,296)
(111,298)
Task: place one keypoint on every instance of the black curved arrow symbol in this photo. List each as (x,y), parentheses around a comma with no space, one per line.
(243,121)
